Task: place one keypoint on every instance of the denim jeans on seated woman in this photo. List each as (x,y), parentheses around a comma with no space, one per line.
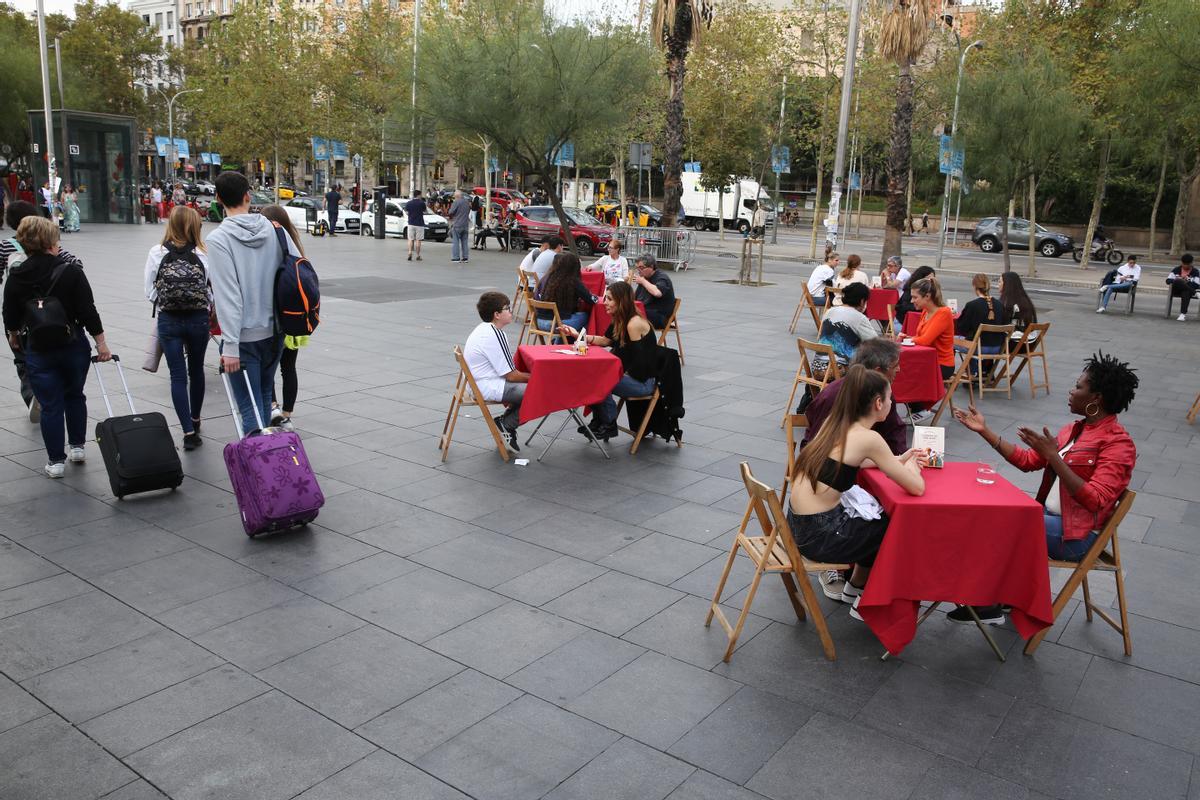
(986,349)
(577,320)
(180,331)
(628,386)
(1066,549)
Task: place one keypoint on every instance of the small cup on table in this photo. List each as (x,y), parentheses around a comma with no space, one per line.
(985,473)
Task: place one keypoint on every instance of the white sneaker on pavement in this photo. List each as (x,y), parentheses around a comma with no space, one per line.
(1100,310)
(1181,318)
(921,417)
(76,455)
(55,470)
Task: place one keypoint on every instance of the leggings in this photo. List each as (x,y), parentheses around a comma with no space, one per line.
(287,369)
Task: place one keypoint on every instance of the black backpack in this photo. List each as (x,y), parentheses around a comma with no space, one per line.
(47,326)
(181,283)
(297,292)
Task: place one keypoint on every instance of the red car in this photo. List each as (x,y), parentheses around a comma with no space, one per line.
(538,223)
(502,197)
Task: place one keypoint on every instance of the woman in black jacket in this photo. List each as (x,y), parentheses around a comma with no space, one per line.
(57,360)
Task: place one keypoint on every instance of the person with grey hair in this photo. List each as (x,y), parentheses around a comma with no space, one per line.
(893,275)
(882,356)
(654,290)
(460,226)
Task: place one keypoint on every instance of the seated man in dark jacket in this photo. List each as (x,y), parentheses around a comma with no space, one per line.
(654,289)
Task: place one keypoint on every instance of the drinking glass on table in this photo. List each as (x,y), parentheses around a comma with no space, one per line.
(985,473)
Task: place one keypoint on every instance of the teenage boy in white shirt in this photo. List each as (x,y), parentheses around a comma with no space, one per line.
(1128,274)
(489,357)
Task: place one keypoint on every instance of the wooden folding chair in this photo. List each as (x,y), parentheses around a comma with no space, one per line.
(640,433)
(1005,355)
(775,551)
(795,423)
(527,320)
(672,323)
(1031,345)
(961,376)
(534,332)
(522,289)
(466,391)
(806,301)
(807,374)
(1101,557)
(1194,410)
(830,293)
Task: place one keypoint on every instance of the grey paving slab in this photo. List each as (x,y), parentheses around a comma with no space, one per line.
(381,776)
(654,699)
(304,553)
(87,533)
(1045,750)
(574,668)
(50,512)
(432,718)
(950,780)
(40,640)
(117,551)
(810,763)
(358,676)
(357,576)
(553,579)
(139,724)
(1051,678)
(522,751)
(17,706)
(96,684)
(19,566)
(582,535)
(660,558)
(44,592)
(505,639)
(702,785)
(412,530)
(277,633)
(627,770)
(958,650)
(268,747)
(227,606)
(173,580)
(138,790)
(695,522)
(1158,646)
(1146,704)
(421,604)
(484,558)
(47,759)
(678,631)
(614,602)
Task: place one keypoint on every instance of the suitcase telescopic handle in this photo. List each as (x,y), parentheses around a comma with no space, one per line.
(237,418)
(104,393)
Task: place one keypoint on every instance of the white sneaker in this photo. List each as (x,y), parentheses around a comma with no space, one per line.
(276,416)
(286,424)
(1100,310)
(1181,318)
(854,610)
(832,583)
(76,455)
(921,417)
(55,470)
(850,592)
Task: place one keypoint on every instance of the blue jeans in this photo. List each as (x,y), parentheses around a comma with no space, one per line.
(628,386)
(458,243)
(57,378)
(179,332)
(986,349)
(577,320)
(1112,288)
(259,361)
(1066,550)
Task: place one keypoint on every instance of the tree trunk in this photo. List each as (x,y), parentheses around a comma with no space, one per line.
(721,212)
(898,163)
(1158,195)
(1186,178)
(1033,245)
(556,201)
(1012,202)
(673,160)
(1097,203)
(620,184)
(908,215)
(277,173)
(812,246)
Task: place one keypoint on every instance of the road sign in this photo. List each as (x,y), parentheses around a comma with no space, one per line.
(74,149)
(357,160)
(956,162)
(781,160)
(565,156)
(855,182)
(37,148)
(494,164)
(641,155)
(691,166)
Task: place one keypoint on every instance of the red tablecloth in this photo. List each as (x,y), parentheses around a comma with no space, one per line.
(911,320)
(919,379)
(594,281)
(961,542)
(600,320)
(879,300)
(558,381)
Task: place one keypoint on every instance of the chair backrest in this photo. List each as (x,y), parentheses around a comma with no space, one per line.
(792,426)
(770,514)
(466,372)
(674,313)
(808,295)
(830,293)
(807,374)
(1007,330)
(1034,337)
(541,305)
(1109,531)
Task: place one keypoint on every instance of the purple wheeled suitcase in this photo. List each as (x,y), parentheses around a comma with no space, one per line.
(272,479)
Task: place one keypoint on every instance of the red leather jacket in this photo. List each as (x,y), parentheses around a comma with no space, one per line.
(1103,455)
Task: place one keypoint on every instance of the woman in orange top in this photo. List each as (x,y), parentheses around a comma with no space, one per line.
(935,330)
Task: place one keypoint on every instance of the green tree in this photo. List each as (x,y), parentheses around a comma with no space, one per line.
(509,72)
(113,49)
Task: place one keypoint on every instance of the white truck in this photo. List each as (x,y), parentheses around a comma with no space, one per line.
(704,208)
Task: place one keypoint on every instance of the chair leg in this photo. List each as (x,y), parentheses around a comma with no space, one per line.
(1060,602)
(1128,641)
(1087,599)
(451,422)
(818,617)
(491,423)
(455,398)
(741,620)
(796,316)
(679,343)
(787,410)
(789,583)
(716,601)
(641,431)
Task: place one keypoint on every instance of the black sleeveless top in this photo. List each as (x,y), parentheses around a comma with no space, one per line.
(837,475)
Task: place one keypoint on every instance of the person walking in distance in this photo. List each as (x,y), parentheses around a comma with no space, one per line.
(156,200)
(460,225)
(415,210)
(243,258)
(333,203)
(925,221)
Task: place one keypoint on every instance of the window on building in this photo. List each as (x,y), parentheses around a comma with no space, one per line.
(158,21)
(146,20)
(171,20)
(170,40)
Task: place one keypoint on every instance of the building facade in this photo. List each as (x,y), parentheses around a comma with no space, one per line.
(161,17)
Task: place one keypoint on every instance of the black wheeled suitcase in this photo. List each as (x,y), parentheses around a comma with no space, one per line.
(138,450)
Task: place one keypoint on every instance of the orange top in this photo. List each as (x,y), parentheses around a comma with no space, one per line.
(936,330)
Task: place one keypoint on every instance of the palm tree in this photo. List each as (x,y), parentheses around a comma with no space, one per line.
(676,26)
(902,38)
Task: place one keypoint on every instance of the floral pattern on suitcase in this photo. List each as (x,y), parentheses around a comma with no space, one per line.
(273,482)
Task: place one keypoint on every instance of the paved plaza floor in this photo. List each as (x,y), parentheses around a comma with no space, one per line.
(480,629)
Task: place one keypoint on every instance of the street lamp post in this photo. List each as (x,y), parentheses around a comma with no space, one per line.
(62,99)
(171,124)
(839,158)
(51,166)
(962,60)
(413,148)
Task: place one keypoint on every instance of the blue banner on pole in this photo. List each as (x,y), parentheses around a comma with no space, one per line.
(781,160)
(691,166)
(945,154)
(161,143)
(181,148)
(320,149)
(855,182)
(565,157)
(340,149)
(956,162)
(494,164)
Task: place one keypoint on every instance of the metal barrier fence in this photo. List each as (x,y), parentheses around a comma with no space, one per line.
(671,247)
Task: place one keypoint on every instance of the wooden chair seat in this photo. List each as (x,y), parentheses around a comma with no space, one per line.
(534,332)
(1030,345)
(988,380)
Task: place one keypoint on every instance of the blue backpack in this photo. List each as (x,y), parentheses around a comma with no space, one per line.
(297,292)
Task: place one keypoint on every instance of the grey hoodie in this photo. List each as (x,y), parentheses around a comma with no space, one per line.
(243,257)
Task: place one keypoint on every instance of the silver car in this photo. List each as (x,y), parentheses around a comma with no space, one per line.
(989,232)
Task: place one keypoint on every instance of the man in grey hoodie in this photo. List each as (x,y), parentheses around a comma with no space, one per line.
(243,258)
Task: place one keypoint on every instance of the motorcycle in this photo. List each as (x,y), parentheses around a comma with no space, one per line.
(1107,251)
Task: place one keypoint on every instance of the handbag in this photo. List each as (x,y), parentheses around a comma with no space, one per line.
(154,351)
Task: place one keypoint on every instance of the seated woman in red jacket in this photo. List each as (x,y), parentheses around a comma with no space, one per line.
(936,330)
(1085,468)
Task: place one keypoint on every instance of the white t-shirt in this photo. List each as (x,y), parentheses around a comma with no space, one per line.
(853,319)
(1053,499)
(489,358)
(614,269)
(541,264)
(1128,274)
(156,195)
(816,281)
(527,261)
(902,277)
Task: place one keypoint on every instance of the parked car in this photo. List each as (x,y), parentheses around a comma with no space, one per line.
(205,187)
(537,223)
(258,199)
(503,196)
(305,212)
(647,215)
(395,221)
(988,235)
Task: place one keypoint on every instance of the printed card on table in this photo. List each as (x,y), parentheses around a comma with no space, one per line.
(933,441)
(877,282)
(953,303)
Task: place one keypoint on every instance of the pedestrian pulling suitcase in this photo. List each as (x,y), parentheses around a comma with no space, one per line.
(272,479)
(138,450)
